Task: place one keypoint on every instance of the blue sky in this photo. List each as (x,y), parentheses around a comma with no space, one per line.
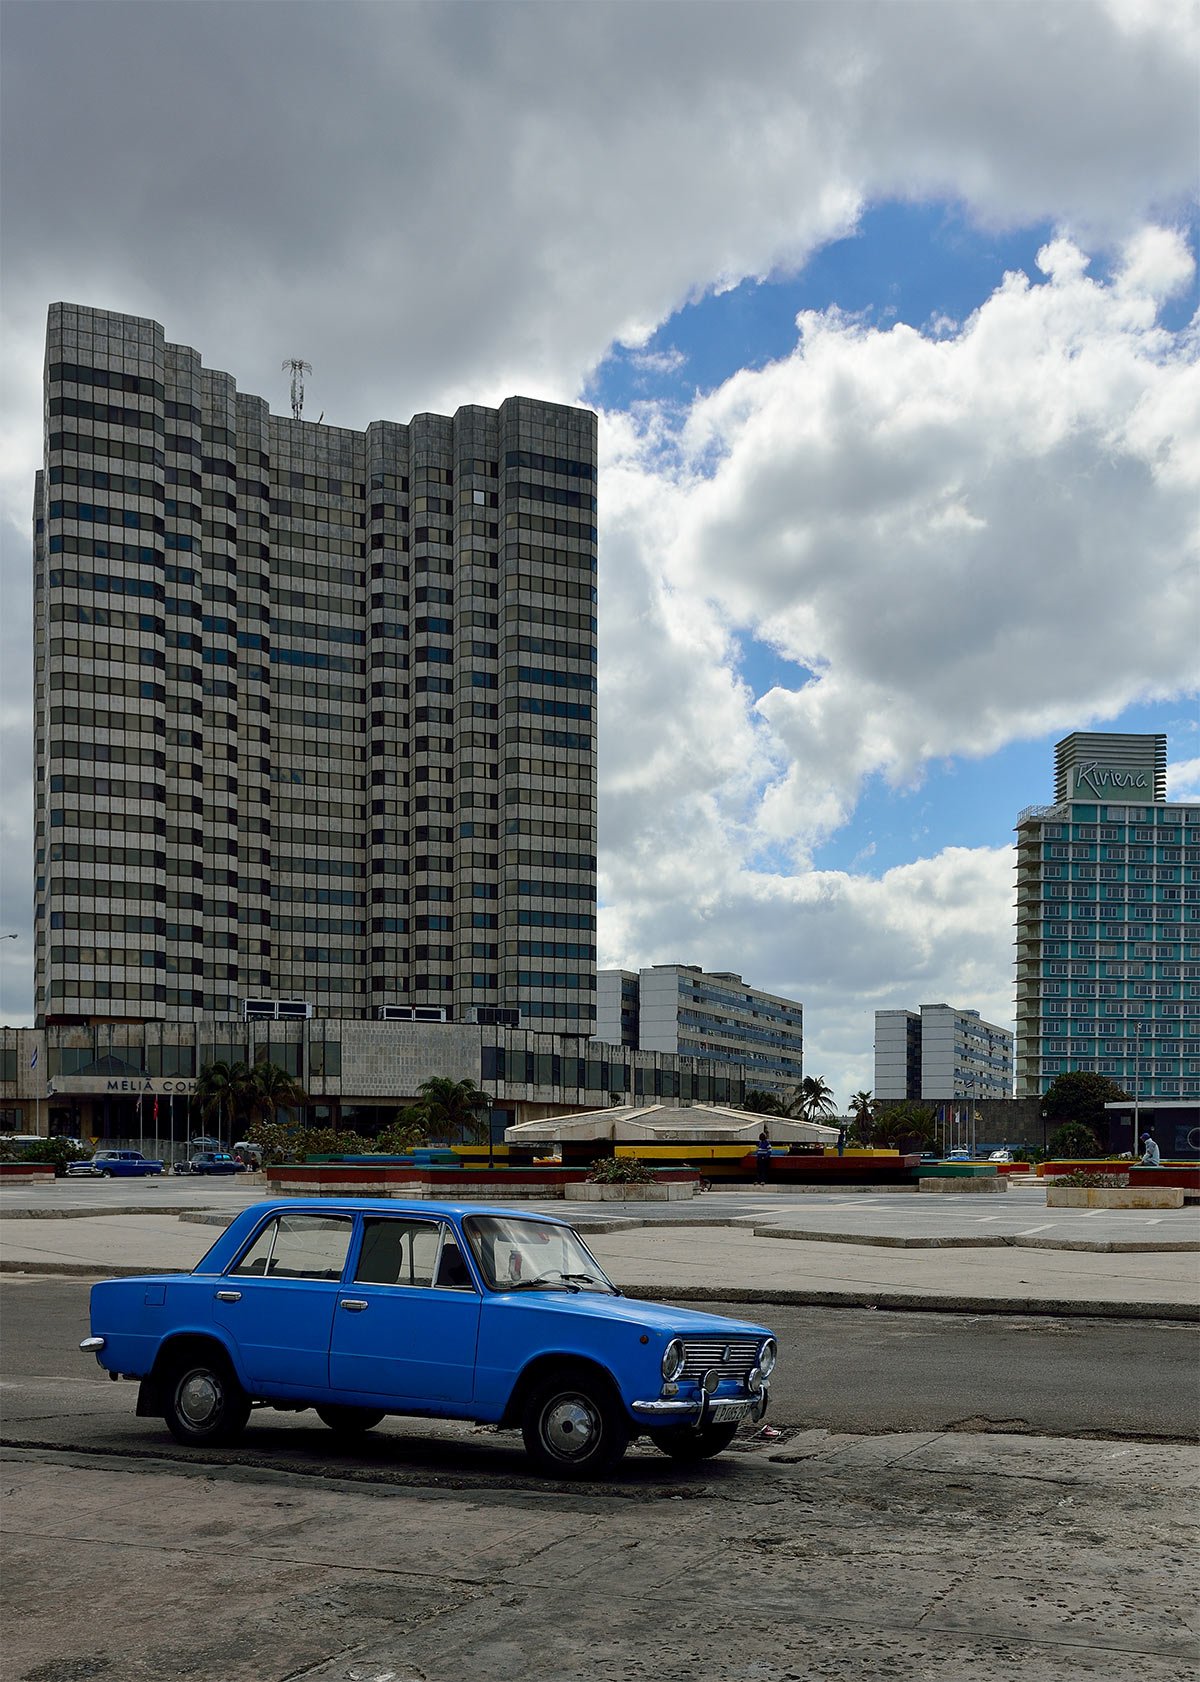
(929,265)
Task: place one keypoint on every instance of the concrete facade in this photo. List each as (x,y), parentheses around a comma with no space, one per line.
(315,708)
(682,1009)
(104,1081)
(1108,924)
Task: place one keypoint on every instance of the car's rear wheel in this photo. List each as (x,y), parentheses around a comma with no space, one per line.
(693,1442)
(348,1421)
(204,1404)
(573,1425)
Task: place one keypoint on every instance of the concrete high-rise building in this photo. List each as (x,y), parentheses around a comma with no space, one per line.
(1108,924)
(939,1053)
(315,708)
(680,1008)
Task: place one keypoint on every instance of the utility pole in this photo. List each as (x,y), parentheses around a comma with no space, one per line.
(297,369)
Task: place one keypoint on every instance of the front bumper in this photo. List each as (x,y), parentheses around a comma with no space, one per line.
(702,1409)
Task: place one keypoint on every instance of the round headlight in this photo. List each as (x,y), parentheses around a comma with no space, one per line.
(767,1357)
(672,1361)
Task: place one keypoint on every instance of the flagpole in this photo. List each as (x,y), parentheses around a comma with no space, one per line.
(141,1126)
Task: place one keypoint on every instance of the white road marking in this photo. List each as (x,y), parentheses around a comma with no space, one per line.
(1031,1229)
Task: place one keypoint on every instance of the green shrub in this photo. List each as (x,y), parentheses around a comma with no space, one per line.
(1090,1181)
(620,1171)
(57,1151)
(1073,1139)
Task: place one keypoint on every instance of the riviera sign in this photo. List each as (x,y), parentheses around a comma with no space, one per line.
(1093,778)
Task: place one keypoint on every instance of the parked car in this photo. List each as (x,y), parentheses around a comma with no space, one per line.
(210,1162)
(1004,1155)
(125,1164)
(249,1152)
(84,1165)
(361,1308)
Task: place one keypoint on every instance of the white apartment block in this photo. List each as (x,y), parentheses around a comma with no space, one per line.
(315,708)
(941,1053)
(683,1009)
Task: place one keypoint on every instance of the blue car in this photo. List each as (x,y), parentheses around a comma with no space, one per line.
(361,1308)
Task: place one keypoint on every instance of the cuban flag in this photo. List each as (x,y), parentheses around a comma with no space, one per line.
(33,1059)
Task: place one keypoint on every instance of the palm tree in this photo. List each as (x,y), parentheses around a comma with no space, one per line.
(454,1107)
(222,1093)
(862,1108)
(813,1098)
(763,1103)
(272,1089)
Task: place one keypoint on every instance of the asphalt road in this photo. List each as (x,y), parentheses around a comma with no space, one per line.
(849,1370)
(907,1552)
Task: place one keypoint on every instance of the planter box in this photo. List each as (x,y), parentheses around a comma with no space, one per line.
(1131,1197)
(671,1192)
(27,1173)
(956,1184)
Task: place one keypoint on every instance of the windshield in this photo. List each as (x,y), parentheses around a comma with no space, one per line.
(523,1255)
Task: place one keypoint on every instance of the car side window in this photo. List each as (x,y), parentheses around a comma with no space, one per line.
(298,1247)
(410,1253)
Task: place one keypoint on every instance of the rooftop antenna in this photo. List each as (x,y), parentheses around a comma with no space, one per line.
(297,369)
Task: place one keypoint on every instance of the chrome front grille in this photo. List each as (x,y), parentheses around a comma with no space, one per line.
(732,1357)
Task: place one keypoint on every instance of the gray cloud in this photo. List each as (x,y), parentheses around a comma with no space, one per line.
(441,203)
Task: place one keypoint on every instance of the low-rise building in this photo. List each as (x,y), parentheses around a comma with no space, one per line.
(135,1080)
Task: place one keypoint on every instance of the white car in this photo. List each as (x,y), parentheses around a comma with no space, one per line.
(1001,1156)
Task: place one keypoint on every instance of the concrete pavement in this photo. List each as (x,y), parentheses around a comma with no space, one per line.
(742,1245)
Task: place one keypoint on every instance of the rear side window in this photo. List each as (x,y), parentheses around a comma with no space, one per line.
(298,1247)
(412,1253)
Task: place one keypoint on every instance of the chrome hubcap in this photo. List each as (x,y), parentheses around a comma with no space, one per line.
(199,1399)
(570,1426)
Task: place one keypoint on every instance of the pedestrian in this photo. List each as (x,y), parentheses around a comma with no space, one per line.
(841,1141)
(1151,1155)
(762,1157)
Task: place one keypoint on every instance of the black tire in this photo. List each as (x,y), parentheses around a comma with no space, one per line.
(693,1442)
(203,1403)
(574,1425)
(347,1421)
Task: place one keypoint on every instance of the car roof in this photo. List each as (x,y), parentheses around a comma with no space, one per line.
(397,1206)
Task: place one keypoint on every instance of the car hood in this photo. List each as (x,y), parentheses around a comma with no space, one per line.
(655,1316)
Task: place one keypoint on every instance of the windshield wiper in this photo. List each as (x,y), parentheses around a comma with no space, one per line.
(545,1280)
(591,1279)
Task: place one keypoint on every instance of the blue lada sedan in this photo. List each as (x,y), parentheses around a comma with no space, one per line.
(361,1308)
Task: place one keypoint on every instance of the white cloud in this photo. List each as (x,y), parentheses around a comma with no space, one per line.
(966,542)
(1183,780)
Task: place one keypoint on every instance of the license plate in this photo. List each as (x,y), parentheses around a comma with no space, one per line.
(722,1412)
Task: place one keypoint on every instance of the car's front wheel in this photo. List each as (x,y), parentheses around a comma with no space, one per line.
(348,1421)
(573,1425)
(204,1404)
(693,1442)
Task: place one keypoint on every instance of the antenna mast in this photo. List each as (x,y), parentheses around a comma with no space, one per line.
(297,369)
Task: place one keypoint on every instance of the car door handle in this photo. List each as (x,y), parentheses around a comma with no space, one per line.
(355,1305)
(229,1296)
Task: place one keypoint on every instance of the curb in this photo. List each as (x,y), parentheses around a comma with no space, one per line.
(890,1301)
(924,1303)
(989,1241)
